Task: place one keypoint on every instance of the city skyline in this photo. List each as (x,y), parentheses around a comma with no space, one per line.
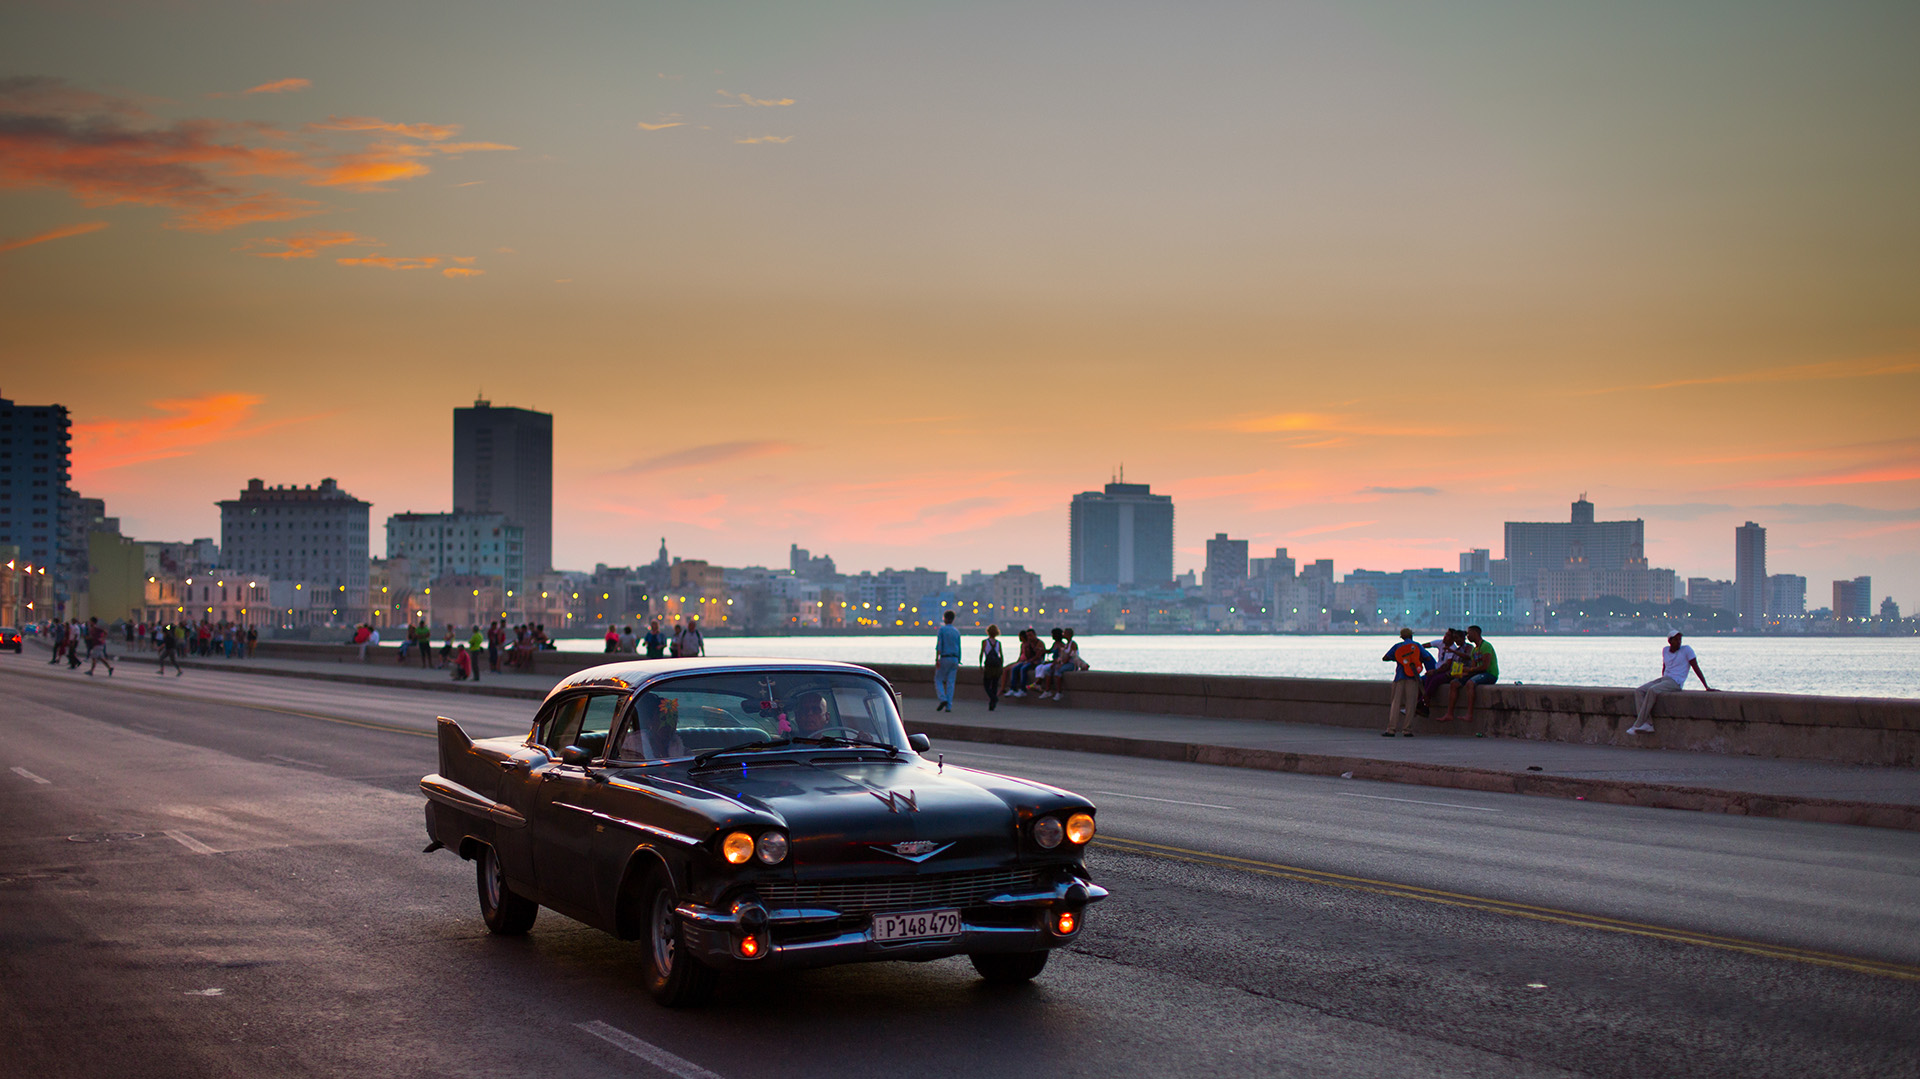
(892,285)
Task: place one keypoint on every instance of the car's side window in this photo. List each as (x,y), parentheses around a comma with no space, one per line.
(596,722)
(562,725)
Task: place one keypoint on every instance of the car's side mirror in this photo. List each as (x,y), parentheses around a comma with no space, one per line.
(920,742)
(576,756)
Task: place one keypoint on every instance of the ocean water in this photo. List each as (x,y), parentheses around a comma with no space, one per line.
(1826,666)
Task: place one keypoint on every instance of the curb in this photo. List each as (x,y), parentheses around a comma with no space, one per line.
(1459,777)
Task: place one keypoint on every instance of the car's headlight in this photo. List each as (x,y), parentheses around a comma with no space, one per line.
(737,848)
(1080,827)
(1047,832)
(773,847)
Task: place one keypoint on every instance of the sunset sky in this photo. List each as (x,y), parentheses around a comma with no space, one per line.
(893,281)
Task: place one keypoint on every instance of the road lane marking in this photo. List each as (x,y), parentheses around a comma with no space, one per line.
(1416,801)
(291,760)
(234,703)
(1576,919)
(189,842)
(24,774)
(647,1051)
(1169,801)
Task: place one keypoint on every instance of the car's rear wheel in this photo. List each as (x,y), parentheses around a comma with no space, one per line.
(1009,968)
(674,977)
(505,911)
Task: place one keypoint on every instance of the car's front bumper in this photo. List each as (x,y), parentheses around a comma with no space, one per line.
(792,938)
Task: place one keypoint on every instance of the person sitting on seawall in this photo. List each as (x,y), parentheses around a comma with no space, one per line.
(1021,672)
(1482,669)
(655,734)
(1676,660)
(1066,661)
(461,668)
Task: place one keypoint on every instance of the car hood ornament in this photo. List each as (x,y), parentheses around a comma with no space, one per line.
(913,850)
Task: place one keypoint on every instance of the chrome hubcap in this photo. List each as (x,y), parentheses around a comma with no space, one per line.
(493,880)
(663,935)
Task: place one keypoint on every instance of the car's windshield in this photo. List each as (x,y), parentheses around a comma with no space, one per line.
(705,712)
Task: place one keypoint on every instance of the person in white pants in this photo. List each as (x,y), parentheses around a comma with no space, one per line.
(1676,660)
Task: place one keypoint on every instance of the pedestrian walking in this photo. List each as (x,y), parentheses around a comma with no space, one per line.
(946,662)
(97,647)
(655,641)
(1410,661)
(692,644)
(169,644)
(991,661)
(1676,660)
(496,643)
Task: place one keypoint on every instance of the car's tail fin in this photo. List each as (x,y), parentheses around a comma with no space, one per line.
(454,745)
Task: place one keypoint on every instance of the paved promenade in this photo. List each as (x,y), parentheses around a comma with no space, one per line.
(1798,789)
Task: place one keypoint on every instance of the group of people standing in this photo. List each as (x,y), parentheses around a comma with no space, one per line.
(686,640)
(1038,668)
(1466,661)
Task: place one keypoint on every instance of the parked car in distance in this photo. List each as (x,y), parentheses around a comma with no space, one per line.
(10,638)
(751,815)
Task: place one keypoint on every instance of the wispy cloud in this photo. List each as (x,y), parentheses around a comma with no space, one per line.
(59,233)
(736,101)
(280,86)
(1678,511)
(1892,472)
(390,262)
(716,453)
(1300,423)
(753,140)
(186,424)
(304,245)
(644,126)
(426,132)
(461,271)
(1399,490)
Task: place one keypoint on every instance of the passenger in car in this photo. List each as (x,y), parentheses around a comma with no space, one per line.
(655,734)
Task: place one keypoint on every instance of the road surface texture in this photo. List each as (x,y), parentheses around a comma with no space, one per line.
(221,876)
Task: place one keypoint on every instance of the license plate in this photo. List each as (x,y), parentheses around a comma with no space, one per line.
(922,923)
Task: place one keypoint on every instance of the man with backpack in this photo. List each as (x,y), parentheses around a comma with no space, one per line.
(1409,662)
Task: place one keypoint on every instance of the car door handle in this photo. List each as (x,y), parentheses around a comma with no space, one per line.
(512,766)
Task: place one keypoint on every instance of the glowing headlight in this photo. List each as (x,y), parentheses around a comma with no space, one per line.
(773,847)
(1047,832)
(737,848)
(1080,828)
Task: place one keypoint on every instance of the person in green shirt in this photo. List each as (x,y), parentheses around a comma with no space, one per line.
(1483,669)
(476,644)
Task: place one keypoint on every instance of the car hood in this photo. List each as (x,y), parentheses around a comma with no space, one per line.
(852,816)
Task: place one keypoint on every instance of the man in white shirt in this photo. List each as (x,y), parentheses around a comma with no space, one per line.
(1676,660)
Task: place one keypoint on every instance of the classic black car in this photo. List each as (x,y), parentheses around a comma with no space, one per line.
(743,815)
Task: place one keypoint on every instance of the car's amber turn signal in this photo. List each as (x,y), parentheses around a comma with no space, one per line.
(737,848)
(1079,827)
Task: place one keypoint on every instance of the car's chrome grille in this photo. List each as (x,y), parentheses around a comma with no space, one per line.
(898,893)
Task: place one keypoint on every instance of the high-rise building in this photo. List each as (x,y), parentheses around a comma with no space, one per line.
(1580,545)
(311,540)
(1786,595)
(1121,537)
(33,484)
(1278,568)
(1853,600)
(1749,574)
(503,463)
(1226,565)
(466,544)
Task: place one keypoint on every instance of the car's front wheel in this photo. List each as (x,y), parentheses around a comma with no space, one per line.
(674,977)
(505,911)
(1009,968)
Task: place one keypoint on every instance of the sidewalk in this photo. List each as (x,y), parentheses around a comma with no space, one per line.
(1752,786)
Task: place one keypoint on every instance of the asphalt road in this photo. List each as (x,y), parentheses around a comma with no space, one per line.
(220,875)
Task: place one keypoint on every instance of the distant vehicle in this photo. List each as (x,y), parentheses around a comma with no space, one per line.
(752,815)
(10,638)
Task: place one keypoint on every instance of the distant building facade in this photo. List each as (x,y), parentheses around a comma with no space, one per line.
(1582,543)
(1853,600)
(467,544)
(1786,595)
(309,540)
(1749,575)
(34,463)
(1226,565)
(503,463)
(1121,537)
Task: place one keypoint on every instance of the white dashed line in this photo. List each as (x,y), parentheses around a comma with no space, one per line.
(1418,802)
(24,774)
(647,1051)
(189,842)
(1169,801)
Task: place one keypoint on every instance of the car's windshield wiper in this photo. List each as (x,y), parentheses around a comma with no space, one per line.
(892,750)
(776,743)
(741,748)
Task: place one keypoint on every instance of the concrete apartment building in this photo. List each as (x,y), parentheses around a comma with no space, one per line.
(1749,575)
(467,544)
(1226,570)
(312,541)
(34,460)
(1853,600)
(503,463)
(1121,537)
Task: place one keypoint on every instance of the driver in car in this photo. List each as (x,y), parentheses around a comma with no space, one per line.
(810,715)
(655,734)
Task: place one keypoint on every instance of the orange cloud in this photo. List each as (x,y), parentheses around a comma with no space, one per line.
(305,244)
(60,233)
(1889,473)
(461,271)
(281,86)
(188,424)
(428,132)
(644,126)
(764,138)
(388,262)
(754,102)
(378,164)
